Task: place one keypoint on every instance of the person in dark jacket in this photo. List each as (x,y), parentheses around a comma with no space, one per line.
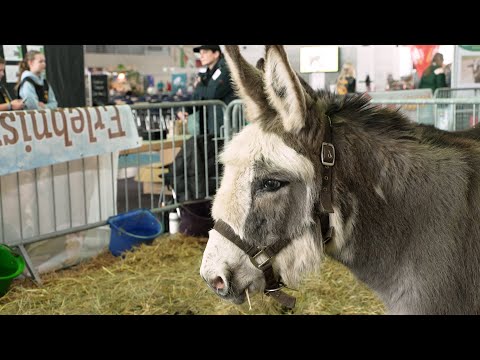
(434,76)
(212,84)
(6,101)
(196,164)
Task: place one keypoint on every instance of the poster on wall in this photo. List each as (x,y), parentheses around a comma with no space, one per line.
(468,66)
(12,52)
(179,82)
(36,48)
(11,73)
(319,59)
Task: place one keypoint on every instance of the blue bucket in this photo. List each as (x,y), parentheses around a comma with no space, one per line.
(132,229)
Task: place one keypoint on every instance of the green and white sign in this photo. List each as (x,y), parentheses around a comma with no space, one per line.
(470,47)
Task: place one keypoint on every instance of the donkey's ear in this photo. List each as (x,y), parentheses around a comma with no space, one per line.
(249,84)
(284,90)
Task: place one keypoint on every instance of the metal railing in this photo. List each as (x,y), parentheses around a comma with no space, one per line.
(455,93)
(155,119)
(82,194)
(446,114)
(235,119)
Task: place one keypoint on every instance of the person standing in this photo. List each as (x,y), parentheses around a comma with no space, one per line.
(368,83)
(32,85)
(213,84)
(434,76)
(346,83)
(6,101)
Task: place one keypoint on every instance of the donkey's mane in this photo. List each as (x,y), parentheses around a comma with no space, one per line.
(358,110)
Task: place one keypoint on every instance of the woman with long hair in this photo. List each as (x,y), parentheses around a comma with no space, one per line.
(346,82)
(32,85)
(434,76)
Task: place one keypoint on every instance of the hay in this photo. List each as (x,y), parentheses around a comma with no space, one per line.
(164,279)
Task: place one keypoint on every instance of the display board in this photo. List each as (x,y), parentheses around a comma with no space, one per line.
(99,89)
(467,66)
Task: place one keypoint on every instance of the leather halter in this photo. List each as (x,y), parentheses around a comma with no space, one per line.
(328,160)
(326,192)
(273,284)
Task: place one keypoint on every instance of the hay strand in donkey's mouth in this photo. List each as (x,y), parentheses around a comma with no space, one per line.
(164,279)
(248,298)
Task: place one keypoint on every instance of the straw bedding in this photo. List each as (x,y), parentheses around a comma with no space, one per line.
(164,279)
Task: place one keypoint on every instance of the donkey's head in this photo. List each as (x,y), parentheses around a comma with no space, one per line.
(270,192)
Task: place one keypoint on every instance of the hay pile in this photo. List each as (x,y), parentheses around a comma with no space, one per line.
(164,279)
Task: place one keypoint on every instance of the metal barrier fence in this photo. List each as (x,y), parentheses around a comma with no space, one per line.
(235,119)
(455,93)
(56,200)
(159,150)
(446,114)
(464,114)
(26,195)
(82,194)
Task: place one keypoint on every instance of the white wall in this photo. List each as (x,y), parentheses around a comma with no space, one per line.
(448,52)
(365,65)
(384,64)
(254,52)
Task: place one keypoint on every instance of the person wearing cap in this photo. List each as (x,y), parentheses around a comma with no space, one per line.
(214,83)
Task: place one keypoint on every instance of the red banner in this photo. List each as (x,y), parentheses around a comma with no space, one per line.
(422,56)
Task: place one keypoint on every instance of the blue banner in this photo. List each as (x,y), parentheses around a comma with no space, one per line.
(35,138)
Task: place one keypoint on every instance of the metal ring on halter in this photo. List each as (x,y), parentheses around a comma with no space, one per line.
(281,285)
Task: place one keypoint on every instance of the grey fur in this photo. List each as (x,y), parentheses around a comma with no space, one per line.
(418,246)
(270,217)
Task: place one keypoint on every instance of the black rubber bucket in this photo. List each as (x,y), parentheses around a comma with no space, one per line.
(196,219)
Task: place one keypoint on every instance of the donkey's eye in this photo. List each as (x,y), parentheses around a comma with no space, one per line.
(272,185)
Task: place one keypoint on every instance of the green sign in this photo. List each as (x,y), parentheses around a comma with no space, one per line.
(470,47)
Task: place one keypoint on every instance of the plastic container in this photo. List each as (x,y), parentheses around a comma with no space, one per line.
(196,219)
(11,266)
(173,222)
(132,229)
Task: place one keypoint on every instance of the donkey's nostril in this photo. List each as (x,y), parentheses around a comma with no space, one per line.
(218,283)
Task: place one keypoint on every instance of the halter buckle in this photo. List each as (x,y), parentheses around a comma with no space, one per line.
(328,154)
(253,259)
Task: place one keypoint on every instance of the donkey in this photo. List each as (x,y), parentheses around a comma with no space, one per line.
(317,174)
